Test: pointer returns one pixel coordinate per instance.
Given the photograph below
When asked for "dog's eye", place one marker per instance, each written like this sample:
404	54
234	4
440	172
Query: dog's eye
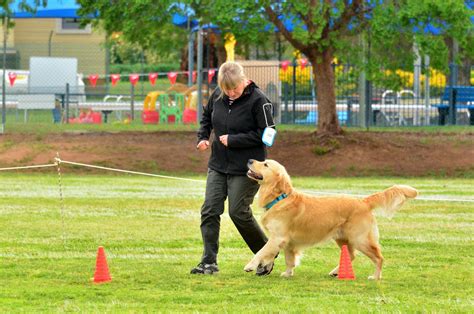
265	164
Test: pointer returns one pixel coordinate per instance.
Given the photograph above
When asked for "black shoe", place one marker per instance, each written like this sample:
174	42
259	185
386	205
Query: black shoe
264	270
205	269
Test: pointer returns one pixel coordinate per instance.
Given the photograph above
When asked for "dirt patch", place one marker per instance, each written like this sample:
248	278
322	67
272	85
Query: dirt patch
304	154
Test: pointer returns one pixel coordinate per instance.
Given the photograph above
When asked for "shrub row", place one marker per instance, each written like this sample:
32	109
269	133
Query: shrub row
143	68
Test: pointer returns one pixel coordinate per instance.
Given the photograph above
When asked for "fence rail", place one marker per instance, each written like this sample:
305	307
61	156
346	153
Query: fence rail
412	101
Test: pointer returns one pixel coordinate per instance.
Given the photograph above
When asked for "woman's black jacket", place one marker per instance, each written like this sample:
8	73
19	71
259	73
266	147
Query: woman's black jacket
244	122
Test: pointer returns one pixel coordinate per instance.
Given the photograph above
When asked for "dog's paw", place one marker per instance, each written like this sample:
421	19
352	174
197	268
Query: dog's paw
250	267
334	272
287	274
372	277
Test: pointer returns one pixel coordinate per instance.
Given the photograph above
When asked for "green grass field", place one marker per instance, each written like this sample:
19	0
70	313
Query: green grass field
150	230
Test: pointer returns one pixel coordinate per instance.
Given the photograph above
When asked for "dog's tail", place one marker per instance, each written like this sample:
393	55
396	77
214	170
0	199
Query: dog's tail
391	199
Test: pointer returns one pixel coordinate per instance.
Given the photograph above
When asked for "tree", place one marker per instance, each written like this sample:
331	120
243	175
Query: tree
325	29
149	23
146	23
321	30
6	13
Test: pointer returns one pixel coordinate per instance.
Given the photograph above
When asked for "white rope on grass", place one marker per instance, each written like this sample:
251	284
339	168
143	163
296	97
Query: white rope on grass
28	167
58	161
127	171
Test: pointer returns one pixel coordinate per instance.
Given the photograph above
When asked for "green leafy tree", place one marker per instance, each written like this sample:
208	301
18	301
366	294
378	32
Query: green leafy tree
146	23
7	7
322	30
325	29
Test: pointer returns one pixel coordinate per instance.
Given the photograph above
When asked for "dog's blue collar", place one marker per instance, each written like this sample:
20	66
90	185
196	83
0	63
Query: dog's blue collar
276	200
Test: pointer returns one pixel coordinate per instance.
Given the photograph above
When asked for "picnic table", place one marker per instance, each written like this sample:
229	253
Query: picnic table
456	98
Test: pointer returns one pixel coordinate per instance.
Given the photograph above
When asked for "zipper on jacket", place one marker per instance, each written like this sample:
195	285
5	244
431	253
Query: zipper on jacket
227	132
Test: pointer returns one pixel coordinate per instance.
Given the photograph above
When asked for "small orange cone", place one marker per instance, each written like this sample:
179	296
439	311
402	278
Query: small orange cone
345	266
101	269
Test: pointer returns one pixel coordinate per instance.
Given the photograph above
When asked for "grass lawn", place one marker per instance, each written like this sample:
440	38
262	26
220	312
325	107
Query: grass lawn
150	230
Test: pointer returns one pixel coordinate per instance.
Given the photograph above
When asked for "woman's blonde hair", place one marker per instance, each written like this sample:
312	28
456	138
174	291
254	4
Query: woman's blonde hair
231	74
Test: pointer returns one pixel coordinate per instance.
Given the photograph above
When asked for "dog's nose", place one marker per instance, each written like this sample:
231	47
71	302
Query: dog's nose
250	161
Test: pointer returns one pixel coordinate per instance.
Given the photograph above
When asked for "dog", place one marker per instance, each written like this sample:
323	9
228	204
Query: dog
295	220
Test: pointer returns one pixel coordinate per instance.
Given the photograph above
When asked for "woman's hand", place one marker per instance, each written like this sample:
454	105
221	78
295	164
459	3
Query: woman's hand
203	145
223	139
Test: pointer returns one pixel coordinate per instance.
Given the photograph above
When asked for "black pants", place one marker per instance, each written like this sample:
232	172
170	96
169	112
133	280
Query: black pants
240	190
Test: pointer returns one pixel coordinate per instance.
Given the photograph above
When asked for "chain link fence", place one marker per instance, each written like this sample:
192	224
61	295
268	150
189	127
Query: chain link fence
83	91
394	99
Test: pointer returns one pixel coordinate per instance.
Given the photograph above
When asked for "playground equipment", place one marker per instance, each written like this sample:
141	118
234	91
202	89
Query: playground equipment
150	101
87	116
172	107
150	117
229	46
190	108
149	114
171	111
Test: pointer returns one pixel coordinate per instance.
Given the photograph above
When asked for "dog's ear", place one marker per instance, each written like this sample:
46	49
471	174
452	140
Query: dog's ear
284	183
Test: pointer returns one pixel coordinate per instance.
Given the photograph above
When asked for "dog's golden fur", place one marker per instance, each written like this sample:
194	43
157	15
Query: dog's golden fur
299	220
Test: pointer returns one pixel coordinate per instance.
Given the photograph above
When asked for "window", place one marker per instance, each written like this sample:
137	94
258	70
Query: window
71	26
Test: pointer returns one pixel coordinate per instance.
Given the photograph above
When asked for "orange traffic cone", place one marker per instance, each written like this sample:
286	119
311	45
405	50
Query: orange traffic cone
101	269
345	266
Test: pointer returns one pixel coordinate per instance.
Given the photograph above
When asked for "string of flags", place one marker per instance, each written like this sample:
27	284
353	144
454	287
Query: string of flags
302	62
134	78
12	78
172	76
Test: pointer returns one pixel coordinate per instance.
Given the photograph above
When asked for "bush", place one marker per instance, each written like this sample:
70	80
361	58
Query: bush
143	68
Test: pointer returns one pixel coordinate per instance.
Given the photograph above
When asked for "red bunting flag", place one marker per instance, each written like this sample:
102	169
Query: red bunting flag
152	77
303	63
172	77
210	75
12	78
134	78
194	75
93	79
284	65
115	78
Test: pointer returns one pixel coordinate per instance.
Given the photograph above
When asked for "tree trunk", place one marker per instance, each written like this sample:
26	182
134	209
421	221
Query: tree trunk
323	73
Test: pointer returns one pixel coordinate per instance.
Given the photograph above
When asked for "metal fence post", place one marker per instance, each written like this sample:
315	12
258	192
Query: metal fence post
452	105
369	115
4	107
363	123
132	101
67	102
63	106
294	91
286	91
199	72
349	112
452	94
427	90
191	58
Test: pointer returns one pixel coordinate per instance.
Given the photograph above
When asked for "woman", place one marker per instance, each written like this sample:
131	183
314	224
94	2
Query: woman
237	114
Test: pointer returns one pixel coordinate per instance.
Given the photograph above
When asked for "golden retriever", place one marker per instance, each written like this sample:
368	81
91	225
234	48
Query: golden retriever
295	220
